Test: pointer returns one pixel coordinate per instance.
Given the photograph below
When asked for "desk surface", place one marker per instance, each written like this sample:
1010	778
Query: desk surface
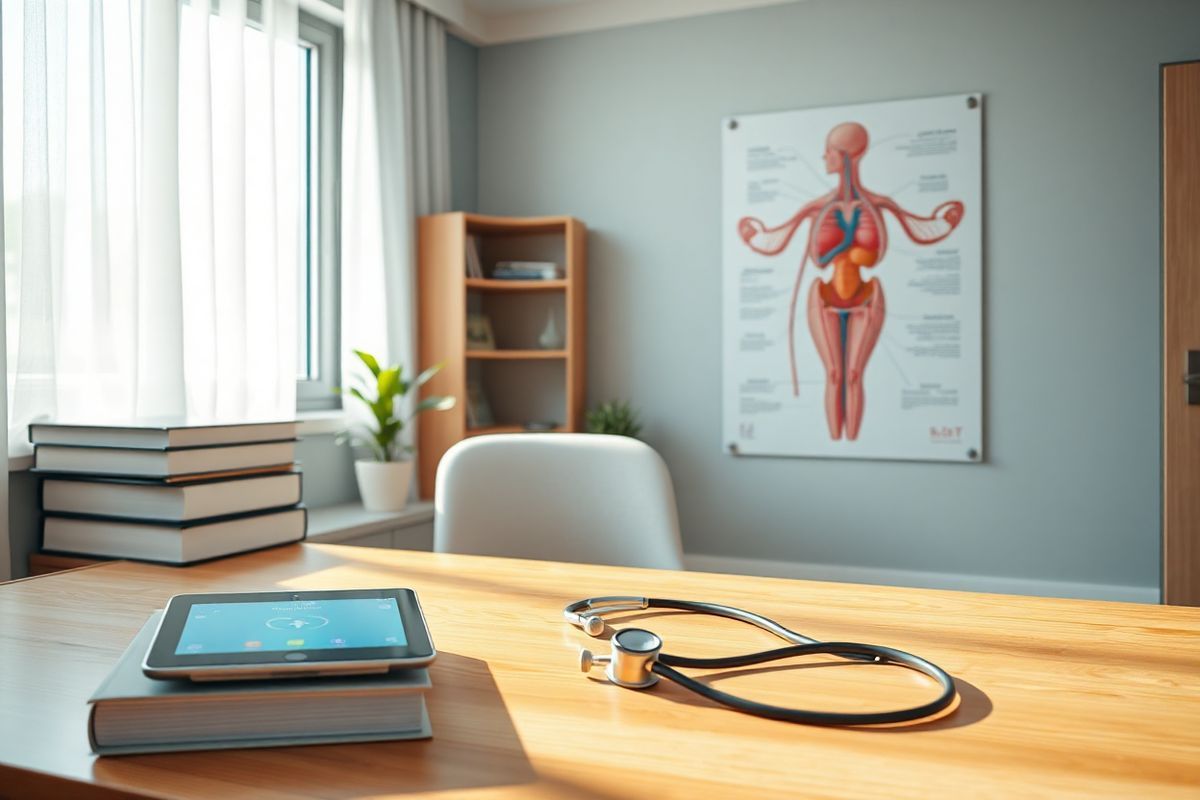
1059	697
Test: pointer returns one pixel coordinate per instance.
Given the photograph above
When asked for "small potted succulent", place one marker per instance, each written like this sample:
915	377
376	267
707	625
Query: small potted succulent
616	418
384	479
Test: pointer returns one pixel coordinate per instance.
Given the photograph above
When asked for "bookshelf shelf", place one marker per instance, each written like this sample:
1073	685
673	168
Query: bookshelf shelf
515	355
518	382
490	429
491	285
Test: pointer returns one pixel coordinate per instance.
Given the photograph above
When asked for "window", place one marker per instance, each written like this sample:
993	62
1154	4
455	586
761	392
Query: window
316	178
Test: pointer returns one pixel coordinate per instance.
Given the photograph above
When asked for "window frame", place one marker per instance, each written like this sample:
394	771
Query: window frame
324	244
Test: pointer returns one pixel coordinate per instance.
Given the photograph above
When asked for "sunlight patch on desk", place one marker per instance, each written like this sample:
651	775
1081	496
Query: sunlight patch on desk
335	577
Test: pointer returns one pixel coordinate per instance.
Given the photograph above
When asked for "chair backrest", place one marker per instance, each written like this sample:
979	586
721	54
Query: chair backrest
558	496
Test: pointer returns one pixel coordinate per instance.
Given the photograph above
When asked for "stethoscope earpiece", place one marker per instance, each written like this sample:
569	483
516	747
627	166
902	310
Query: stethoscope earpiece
637	661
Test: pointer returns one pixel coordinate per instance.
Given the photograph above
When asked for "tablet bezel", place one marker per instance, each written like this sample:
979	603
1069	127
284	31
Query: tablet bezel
161	660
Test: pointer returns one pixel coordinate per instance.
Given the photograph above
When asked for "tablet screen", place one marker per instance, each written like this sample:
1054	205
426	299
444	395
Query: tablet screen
291	625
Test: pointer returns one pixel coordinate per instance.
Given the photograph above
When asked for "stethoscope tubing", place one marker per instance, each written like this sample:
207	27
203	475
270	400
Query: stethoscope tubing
741	615
665	666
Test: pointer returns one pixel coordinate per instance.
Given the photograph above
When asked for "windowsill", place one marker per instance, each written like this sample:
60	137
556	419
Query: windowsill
313	423
350	520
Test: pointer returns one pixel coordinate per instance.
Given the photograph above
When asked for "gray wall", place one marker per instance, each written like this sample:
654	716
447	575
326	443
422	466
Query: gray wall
328	468
621	128
462	83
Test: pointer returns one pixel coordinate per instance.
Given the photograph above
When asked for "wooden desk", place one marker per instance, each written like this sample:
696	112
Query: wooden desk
1060	698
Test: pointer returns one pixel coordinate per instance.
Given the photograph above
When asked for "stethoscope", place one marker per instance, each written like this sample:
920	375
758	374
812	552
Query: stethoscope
637	660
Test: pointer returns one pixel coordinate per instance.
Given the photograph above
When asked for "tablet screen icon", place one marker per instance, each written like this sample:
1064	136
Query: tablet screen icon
296	623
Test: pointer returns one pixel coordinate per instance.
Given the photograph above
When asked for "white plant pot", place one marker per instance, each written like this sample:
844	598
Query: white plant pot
383	485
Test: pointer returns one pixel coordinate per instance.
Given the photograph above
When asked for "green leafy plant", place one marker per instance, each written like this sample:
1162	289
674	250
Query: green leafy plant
383	437
617	418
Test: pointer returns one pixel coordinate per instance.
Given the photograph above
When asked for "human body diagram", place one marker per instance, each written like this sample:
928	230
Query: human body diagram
847	235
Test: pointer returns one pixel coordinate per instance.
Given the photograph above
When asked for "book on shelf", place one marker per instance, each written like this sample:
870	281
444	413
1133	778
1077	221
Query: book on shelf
149	499
171	541
474	265
527	271
131	713
135	462
162	434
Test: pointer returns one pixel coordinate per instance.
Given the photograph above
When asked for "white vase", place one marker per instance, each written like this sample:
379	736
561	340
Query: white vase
550	338
383	485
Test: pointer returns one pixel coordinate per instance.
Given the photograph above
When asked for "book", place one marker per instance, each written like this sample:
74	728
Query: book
161	463
527	271
474	265
226	473
170	542
531	265
131	713
136	498
150	435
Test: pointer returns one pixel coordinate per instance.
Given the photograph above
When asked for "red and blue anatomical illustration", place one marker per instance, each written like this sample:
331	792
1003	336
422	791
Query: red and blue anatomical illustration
848	234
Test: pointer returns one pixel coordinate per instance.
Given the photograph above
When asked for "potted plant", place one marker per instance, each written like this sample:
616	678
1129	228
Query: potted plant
384	479
616	418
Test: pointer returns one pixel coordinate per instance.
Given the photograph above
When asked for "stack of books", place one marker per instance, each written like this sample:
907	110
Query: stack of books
527	271
131	713
171	493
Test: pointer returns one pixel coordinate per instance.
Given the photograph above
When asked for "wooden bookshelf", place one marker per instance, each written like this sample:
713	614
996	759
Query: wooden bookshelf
515	355
504	429
489	285
523	382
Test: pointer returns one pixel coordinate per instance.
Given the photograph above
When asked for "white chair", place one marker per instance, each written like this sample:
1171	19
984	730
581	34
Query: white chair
560	497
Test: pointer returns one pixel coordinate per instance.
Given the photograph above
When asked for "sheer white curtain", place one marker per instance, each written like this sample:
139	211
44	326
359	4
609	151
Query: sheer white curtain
395	167
6	571
152	223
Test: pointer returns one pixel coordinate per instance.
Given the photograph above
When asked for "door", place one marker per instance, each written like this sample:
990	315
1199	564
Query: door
1181	332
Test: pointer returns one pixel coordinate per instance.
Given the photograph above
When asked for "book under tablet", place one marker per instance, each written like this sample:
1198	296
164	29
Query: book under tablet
161	463
131	713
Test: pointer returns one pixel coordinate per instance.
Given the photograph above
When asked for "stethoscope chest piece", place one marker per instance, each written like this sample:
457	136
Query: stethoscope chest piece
634	652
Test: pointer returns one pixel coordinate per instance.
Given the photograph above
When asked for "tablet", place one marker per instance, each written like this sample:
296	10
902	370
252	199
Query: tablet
232	636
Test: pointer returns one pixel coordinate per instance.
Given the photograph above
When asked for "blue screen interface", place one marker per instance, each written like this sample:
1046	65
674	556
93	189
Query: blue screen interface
291	625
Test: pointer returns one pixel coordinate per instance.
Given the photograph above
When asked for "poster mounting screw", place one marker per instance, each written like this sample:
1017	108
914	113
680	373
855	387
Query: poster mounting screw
972	102
973	454
733	123
733	448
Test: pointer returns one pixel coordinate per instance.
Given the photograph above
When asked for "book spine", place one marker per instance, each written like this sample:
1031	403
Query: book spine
182	524
91	726
424	732
303	535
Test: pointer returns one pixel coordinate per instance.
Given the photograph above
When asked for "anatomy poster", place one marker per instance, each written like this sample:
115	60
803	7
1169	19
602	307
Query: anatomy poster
852	273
